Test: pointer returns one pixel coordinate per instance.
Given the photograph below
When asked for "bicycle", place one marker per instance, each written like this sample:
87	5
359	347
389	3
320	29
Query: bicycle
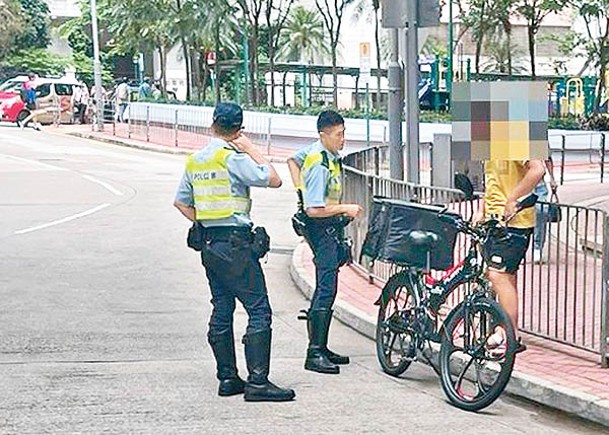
408	319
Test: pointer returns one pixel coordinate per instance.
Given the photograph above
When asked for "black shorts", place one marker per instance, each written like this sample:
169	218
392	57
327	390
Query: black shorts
505	254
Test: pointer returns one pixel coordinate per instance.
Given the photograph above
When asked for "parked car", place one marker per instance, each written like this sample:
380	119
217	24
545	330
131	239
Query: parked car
50	92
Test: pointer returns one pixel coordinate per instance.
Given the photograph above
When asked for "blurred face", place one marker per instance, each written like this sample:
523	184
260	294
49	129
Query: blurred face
333	138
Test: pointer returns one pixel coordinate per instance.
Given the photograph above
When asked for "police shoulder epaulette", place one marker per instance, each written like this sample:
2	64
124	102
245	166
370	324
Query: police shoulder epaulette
325	162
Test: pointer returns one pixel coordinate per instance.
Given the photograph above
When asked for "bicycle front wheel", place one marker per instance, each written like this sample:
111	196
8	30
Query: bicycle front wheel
475	367
395	337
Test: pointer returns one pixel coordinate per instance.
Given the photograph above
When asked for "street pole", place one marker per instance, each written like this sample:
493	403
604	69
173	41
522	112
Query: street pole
97	69
396	106
451	44
412	94
367	114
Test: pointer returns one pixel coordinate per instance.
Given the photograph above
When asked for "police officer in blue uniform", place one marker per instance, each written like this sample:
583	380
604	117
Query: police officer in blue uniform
316	172
214	193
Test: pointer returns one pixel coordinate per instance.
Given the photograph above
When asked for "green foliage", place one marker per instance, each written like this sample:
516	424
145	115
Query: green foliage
43	62
567	123
11	25
35	16
303	39
596	122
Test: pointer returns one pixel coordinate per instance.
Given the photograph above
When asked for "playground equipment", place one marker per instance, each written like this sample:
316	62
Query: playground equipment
573	100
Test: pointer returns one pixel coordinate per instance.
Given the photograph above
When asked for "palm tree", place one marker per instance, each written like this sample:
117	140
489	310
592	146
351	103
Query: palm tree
503	56
303	38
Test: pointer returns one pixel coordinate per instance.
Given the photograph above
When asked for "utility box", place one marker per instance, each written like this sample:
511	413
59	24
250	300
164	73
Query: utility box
443	168
394	14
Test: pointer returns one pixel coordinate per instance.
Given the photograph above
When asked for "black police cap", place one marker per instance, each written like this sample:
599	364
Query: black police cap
228	115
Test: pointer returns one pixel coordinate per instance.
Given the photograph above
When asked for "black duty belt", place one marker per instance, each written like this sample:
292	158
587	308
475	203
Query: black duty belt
225	233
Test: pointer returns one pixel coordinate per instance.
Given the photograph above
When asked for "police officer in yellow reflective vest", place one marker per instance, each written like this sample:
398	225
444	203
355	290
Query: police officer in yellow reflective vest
316	172
215	194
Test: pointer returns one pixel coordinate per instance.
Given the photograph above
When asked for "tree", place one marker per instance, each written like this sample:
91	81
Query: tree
502	10
535	11
276	14
138	26
595	14
11	25
503	57
303	37
332	15
252	11
479	20
36	17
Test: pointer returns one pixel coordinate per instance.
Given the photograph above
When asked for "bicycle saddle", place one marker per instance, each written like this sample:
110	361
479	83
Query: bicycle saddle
423	239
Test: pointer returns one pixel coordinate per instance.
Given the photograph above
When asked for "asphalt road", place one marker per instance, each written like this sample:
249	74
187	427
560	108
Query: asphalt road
104	311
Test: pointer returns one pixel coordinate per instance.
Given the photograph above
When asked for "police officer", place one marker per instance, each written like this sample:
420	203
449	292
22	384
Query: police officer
316	171
215	194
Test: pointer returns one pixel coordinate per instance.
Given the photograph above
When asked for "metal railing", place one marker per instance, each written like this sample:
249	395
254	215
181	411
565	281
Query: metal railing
563	298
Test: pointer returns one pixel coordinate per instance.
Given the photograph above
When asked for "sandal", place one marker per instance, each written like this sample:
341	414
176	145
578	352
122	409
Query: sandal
496	343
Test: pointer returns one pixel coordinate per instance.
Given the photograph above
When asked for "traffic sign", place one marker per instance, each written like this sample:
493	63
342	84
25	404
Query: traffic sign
364	62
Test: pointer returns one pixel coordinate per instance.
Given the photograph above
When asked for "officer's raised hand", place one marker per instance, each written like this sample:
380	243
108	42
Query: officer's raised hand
245	145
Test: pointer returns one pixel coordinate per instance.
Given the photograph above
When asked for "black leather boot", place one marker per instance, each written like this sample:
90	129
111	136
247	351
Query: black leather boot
223	346
332	356
317	358
258	356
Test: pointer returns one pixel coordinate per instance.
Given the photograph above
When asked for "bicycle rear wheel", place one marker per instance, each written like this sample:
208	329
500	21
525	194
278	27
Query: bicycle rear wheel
474	371
395	337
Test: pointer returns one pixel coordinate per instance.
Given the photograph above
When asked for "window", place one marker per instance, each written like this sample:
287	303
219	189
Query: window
63	89
43	90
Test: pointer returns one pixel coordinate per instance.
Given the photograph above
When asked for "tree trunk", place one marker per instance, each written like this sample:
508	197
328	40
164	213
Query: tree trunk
272	70
334	75
216	69
478	53
508	35
205	68
196	73
377	41
255	72
187	66
531	30
163	61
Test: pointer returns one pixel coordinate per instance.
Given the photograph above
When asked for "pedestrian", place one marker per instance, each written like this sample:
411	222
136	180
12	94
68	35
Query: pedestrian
316	172
215	194
145	89
121	96
541	227
505	183
31	102
80	101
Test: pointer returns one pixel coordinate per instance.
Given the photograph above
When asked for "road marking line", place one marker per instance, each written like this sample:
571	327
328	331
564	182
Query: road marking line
64	220
104	184
44	165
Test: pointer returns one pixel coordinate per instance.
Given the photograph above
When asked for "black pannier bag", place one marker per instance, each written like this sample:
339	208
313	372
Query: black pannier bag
391	221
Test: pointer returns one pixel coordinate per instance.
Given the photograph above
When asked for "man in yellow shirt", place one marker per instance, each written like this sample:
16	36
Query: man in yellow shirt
505	183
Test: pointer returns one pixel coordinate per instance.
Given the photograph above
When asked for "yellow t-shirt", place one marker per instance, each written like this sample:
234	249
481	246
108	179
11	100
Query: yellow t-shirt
501	176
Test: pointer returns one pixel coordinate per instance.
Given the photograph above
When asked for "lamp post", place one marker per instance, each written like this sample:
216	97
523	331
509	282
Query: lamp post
97	69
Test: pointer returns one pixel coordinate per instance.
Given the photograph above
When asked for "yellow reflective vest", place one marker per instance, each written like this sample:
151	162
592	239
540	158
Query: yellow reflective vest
333	186
211	186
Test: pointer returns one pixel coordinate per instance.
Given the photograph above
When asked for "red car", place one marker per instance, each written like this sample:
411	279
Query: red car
48	92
